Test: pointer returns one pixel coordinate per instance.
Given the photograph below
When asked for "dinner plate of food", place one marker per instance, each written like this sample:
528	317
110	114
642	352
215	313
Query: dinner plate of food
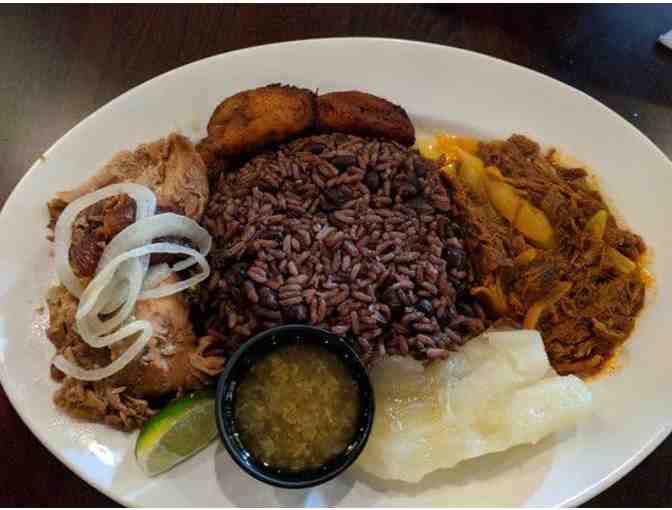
343	272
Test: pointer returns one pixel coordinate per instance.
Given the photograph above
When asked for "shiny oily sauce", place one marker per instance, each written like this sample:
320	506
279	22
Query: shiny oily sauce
297	408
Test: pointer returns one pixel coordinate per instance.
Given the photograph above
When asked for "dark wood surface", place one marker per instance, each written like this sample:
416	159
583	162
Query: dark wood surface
58	64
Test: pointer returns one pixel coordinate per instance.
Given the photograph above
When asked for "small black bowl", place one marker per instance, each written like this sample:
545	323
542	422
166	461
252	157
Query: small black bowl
239	364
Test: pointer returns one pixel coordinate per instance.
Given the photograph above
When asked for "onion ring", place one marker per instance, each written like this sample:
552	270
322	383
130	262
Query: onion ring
123	275
96	374
145	205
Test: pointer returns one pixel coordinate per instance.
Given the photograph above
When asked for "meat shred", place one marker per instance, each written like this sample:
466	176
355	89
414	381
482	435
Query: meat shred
584	327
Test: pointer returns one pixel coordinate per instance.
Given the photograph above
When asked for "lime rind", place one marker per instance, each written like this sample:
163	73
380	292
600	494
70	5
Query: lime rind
170	414
178	431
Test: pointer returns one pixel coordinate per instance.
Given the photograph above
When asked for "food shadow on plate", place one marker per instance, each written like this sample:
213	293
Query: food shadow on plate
243	490
533	459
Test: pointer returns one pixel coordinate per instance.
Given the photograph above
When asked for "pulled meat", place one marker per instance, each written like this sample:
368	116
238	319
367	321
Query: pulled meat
102	402
170	167
175	360
94	227
572	292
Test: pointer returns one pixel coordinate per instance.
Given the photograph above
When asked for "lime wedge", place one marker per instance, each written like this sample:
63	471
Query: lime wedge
178	431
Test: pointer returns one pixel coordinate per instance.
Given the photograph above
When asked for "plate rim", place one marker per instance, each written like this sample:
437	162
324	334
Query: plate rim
579	498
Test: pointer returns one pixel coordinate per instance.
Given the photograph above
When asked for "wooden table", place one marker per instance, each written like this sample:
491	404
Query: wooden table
59	64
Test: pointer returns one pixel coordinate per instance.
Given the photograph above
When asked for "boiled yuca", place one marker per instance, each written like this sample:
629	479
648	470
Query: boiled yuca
498	391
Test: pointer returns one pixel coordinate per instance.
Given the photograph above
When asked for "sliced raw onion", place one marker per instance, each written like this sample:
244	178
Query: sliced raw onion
105	341
132	273
143	231
105	277
94	297
96	374
174	288
123	275
117	297
155	275
145	205
109	299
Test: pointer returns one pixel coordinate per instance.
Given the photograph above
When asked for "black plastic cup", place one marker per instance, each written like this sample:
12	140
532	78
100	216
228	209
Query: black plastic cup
240	363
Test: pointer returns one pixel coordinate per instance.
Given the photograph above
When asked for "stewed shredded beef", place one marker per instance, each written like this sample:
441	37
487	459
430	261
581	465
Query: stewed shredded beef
583	329
351	234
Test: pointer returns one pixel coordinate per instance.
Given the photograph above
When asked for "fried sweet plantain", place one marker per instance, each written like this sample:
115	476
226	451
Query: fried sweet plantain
359	113
254	118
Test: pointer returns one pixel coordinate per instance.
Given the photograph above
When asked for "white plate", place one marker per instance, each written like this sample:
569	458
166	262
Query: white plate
440	87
